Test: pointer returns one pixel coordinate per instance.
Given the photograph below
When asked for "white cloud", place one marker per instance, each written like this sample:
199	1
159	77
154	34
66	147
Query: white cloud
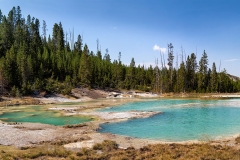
231	60
157	48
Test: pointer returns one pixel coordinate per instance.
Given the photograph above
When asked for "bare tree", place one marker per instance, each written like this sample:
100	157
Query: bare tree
177	70
66	40
2	83
157	76
170	63
97	45
219	77
71	39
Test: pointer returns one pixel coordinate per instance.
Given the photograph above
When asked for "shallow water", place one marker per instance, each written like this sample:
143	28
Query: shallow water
42	114
39	114
182	119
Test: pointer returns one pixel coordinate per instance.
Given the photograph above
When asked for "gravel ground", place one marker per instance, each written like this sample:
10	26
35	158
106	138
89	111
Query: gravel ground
30	134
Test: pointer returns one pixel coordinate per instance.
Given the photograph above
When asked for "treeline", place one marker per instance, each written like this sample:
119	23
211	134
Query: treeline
31	61
193	76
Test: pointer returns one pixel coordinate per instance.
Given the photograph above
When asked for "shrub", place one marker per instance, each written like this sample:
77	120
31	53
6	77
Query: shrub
37	85
106	145
15	92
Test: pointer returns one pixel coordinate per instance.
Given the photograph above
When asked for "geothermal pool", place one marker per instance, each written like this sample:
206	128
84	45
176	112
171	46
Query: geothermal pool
182	119
39	114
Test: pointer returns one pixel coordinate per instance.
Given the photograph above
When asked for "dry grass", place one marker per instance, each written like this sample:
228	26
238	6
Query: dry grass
109	150
75	125
237	140
18	101
53	151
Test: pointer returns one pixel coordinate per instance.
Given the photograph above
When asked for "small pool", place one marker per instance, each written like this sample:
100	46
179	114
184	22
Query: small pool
39	114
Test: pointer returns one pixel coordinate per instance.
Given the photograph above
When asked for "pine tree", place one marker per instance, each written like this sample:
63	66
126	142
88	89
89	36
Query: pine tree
181	79
44	28
2	79
208	80
130	77
84	72
78	45
191	68
18	15
54	37
11	19
214	78
202	74
21	64
60	38
10	68
18	35
7	39
75	63
119	72
107	56
150	76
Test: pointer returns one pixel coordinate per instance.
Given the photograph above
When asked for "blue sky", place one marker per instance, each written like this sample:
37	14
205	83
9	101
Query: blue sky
134	27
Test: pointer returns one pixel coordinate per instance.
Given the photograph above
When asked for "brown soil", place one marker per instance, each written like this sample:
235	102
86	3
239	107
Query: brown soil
18	101
92	93
81	94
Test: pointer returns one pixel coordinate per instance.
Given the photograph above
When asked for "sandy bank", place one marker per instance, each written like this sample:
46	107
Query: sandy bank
226	96
56	99
31	134
25	134
106	116
123	141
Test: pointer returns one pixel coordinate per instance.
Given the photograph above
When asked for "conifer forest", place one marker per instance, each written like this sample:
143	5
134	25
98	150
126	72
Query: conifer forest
32	61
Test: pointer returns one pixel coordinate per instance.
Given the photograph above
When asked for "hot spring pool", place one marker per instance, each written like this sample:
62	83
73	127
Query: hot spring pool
183	119
39	114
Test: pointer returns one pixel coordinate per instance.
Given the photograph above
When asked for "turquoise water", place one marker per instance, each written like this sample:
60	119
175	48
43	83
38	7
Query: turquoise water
181	120
39	114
